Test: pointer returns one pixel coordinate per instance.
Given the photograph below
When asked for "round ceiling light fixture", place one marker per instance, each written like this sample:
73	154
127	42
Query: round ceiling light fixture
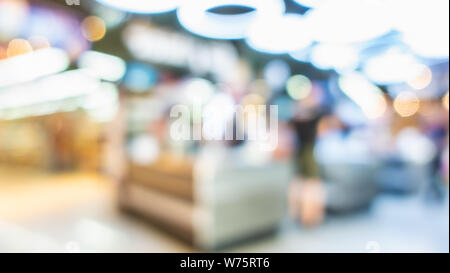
139	6
349	21
311	3
197	16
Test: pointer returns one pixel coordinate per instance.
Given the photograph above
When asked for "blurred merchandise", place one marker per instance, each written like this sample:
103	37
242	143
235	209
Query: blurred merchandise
210	206
222	121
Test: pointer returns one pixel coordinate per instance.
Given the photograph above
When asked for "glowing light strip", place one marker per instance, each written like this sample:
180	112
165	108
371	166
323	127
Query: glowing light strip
195	17
33	65
53	88
101	65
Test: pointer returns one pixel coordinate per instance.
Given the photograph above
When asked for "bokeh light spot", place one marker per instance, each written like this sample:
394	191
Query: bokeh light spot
445	101
93	28
422	80
2	53
39	42
406	104
298	87
18	47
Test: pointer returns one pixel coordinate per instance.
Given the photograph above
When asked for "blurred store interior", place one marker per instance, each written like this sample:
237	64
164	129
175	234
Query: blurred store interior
90	161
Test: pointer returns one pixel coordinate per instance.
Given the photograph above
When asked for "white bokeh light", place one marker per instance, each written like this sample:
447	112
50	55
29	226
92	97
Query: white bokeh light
424	24
279	34
101	65
393	66
365	94
334	56
348	21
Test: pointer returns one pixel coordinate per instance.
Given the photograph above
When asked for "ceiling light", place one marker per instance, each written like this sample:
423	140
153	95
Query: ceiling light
139	6
196	16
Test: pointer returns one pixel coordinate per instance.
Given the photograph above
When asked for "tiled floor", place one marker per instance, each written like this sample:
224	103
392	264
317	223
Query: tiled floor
77	212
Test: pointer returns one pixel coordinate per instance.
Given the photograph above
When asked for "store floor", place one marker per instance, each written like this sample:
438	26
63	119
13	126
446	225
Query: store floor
76	212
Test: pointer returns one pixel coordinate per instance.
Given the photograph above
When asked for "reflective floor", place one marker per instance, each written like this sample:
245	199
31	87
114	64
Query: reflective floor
76	212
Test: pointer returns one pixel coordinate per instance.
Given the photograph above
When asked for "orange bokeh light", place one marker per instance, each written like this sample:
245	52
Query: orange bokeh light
93	28
406	104
18	47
